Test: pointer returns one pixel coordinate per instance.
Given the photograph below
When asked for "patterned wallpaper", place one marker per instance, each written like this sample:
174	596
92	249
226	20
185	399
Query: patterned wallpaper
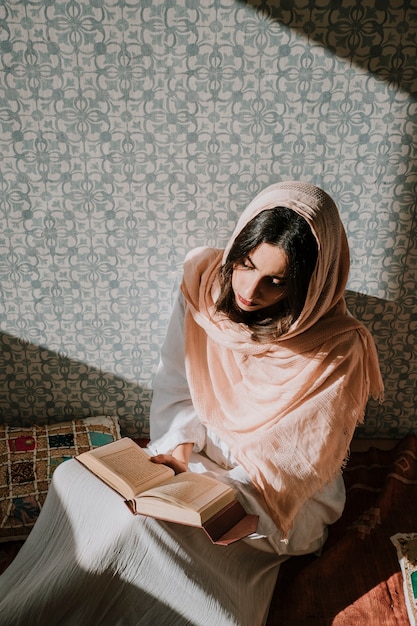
133	130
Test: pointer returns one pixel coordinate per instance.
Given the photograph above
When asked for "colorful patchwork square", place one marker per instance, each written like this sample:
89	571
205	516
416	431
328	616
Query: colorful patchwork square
22	444
22	472
61	441
25	510
99	439
57	461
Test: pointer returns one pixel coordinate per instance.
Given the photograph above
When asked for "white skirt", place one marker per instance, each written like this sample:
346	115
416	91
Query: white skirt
90	561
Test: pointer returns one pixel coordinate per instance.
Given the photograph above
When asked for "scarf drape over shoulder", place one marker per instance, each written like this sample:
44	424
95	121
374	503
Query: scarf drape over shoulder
288	409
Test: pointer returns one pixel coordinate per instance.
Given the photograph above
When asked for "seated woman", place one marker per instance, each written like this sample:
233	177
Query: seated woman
264	376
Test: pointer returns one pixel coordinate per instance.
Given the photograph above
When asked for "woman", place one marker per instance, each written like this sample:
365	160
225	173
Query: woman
263	378
277	373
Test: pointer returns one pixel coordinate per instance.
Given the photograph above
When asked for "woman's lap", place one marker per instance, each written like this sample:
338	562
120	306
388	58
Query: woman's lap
89	560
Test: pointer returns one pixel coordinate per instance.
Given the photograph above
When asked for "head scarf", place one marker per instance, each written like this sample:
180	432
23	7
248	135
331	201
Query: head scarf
287	409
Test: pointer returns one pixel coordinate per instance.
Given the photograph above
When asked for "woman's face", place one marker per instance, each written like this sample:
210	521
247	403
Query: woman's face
260	280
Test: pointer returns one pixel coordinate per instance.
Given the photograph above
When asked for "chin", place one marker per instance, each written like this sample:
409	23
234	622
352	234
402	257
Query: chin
249	309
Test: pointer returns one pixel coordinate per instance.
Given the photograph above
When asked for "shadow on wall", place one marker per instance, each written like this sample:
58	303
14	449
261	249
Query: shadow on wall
383	318
41	386
365	33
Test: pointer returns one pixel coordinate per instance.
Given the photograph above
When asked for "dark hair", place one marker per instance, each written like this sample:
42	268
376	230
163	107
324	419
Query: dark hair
289	231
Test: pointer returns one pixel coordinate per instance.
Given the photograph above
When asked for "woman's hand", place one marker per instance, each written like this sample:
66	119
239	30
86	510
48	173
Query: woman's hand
178	460
166	459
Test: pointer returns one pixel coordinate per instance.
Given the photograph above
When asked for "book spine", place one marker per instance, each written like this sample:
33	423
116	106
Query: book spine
224	520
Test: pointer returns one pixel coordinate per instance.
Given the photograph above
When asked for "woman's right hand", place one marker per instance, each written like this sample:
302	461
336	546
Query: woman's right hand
166	459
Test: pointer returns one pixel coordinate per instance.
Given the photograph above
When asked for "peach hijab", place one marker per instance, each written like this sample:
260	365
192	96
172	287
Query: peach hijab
288	409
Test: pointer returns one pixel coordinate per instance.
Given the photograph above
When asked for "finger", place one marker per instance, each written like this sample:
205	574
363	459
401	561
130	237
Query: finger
158	458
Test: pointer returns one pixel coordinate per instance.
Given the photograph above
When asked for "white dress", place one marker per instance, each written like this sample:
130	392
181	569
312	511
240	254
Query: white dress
90	562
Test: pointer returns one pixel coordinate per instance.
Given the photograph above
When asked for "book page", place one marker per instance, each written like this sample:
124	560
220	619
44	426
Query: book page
136	469
125	467
189	490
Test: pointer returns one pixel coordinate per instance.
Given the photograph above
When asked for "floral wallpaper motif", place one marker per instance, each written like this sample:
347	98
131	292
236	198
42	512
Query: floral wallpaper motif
134	130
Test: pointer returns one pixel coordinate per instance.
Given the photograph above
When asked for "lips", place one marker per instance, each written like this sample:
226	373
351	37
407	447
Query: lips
245	302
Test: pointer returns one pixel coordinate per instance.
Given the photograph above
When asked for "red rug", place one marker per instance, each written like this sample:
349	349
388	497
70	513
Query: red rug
357	580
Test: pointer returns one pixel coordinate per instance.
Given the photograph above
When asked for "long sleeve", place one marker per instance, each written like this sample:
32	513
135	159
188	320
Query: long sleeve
173	419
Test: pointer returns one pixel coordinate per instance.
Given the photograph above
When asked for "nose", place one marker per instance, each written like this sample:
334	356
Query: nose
252	289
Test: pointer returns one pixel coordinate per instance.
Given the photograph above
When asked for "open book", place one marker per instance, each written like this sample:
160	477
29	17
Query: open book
153	489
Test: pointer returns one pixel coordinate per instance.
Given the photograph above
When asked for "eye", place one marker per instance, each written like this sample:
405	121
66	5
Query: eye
278	283
246	264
